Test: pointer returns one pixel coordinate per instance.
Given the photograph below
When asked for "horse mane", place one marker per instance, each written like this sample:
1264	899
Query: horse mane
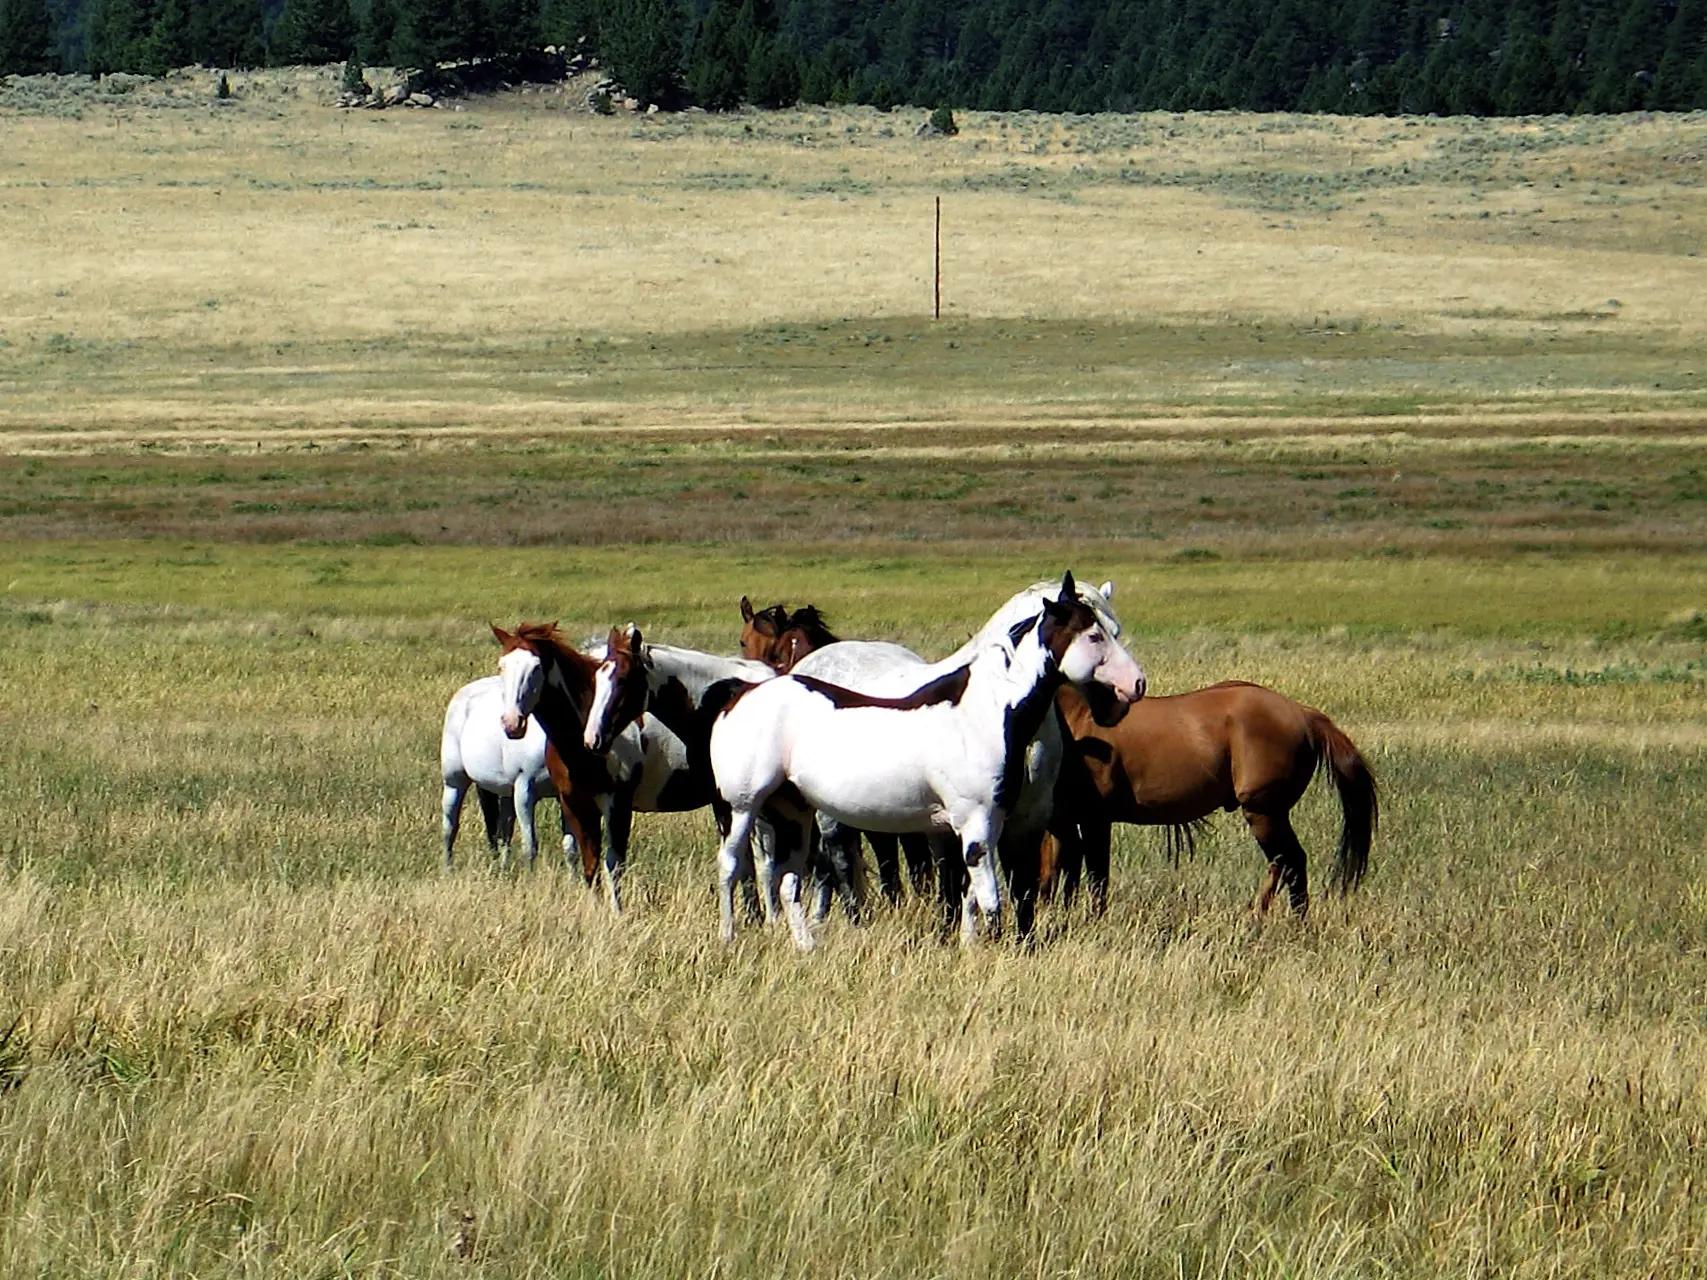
547	640
810	623
776	616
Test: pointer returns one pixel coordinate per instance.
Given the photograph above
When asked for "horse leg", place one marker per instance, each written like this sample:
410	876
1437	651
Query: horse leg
921	864
619	817
823	878
1096	836
580	815
793	836
450	812
1286	861
840	849
979	840
761	866
523	799
731	855
492	814
1021	855
583	828
950	880
886	849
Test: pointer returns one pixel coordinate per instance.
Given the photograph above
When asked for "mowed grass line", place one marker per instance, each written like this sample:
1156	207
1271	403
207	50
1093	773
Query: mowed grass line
932	598
260	1032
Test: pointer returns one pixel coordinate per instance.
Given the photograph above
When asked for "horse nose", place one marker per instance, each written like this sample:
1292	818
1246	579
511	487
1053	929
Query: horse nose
514	725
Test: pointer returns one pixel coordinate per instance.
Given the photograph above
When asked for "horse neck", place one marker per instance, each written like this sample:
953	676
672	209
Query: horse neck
1003	683
680	682
1011	702
1076	711
567	694
696	671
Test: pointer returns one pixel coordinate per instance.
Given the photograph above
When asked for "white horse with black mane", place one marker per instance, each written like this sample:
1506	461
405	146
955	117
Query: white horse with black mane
885	669
941	748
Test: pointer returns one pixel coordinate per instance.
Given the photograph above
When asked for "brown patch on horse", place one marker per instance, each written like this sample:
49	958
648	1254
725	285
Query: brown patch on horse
944	689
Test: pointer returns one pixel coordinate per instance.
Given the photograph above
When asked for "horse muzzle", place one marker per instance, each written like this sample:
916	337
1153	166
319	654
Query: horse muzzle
514	726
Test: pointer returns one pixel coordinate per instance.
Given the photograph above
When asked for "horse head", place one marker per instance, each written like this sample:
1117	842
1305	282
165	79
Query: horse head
1086	652
521	675
762	633
619	688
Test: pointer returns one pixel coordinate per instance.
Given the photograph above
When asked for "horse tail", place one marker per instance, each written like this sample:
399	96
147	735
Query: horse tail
1360	810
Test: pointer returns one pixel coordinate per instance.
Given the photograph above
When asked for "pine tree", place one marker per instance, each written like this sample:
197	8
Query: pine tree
717	71
26	38
773	74
568	23
168	44
513	29
641	42
234	34
430	32
118	34
312	32
378	28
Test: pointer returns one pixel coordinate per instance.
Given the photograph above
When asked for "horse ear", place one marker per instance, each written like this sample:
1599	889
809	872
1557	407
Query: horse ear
746	609
1107	589
633	638
1069	588
503	637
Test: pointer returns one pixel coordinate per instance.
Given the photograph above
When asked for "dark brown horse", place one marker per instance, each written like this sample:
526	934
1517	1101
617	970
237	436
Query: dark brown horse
593	788
779	639
1173	761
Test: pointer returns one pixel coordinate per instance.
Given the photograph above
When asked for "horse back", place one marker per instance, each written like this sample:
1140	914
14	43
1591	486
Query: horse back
1179	757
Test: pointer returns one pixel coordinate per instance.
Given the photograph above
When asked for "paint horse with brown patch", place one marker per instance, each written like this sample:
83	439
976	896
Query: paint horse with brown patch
1173	761
595	788
948	754
780	639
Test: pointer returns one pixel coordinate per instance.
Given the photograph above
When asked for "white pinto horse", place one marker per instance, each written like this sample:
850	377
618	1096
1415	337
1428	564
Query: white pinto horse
882	669
677	704
492	743
948	753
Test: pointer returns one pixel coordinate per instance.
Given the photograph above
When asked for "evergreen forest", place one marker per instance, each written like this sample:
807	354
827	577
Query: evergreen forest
1451	57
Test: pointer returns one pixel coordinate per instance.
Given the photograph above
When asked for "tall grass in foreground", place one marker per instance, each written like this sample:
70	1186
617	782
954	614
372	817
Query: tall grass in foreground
258	1032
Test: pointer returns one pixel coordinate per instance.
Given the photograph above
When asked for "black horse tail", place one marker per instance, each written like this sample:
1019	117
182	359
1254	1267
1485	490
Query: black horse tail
1360	809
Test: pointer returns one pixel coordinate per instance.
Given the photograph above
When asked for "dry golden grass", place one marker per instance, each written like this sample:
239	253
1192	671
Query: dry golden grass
260	1033
275	219
254	1031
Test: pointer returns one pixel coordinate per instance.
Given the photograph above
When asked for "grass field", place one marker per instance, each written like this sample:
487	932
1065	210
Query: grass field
1402	417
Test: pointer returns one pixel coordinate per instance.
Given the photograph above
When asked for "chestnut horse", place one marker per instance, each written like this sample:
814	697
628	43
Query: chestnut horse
779	639
1173	761
595	788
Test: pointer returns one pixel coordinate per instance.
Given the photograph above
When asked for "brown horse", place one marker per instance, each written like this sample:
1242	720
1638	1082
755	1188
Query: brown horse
589	784
1173	761
779	639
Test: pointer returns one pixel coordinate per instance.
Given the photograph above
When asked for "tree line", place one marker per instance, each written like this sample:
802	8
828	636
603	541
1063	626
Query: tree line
1476	57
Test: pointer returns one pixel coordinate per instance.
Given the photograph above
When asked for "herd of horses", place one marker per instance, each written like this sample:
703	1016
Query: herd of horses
996	774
